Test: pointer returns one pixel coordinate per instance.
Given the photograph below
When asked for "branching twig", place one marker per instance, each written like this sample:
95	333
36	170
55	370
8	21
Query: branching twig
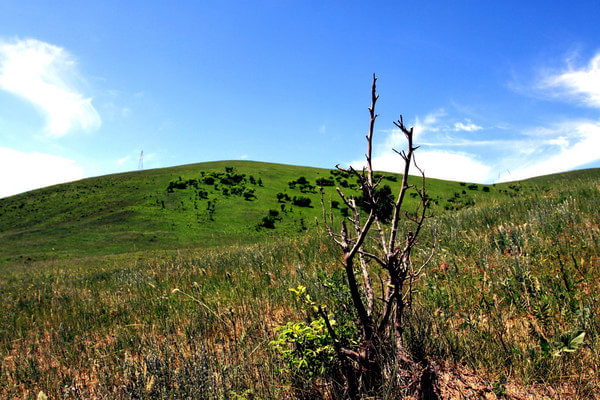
383	247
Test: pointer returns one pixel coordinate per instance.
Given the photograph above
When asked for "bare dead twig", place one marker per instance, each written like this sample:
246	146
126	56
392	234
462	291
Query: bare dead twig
384	248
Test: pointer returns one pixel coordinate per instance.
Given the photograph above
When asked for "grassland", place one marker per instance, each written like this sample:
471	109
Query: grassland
108	294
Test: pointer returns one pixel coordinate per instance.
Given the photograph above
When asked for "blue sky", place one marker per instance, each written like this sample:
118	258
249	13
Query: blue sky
496	90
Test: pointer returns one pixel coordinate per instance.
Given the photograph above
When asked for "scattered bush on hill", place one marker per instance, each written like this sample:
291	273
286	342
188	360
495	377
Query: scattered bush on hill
282	197
325	182
301	201
268	221
233	184
303	185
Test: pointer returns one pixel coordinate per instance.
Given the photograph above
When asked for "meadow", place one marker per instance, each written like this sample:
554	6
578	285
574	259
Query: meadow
94	308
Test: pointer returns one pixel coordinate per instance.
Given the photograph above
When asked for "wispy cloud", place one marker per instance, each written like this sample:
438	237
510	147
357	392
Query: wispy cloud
44	75
582	83
568	144
530	152
559	148
435	164
27	171
436	131
467	126
123	160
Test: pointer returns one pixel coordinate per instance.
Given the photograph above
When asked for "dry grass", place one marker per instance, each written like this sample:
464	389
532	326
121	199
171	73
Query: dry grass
506	276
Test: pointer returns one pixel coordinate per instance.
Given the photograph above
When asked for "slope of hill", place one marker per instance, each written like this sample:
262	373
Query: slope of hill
201	205
508	307
190	206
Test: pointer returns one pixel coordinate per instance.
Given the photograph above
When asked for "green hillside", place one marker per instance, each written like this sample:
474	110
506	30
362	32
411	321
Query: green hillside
191	206
99	303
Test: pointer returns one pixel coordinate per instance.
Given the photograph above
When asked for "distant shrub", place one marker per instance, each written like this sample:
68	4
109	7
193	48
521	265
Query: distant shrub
281	197
303	184
302	181
473	187
268	221
325	182
211	208
301	201
177	185
237	190
486	189
249	194
226	180
238	178
339	173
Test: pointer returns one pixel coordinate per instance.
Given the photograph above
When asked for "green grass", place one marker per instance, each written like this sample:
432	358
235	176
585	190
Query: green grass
515	282
515	279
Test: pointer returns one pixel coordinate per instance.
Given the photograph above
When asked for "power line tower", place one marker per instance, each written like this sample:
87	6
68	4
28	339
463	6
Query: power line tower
141	162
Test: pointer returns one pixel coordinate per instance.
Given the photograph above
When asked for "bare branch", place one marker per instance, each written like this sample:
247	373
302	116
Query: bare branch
367	287
344	199
374	257
383	323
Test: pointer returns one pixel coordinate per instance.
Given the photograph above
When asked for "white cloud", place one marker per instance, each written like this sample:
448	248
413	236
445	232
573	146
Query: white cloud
469	126
435	164
123	160
395	138
527	153
27	171
582	83
429	124
453	166
43	74
572	144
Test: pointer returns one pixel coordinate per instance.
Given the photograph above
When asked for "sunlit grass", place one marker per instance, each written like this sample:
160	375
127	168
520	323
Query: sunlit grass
512	285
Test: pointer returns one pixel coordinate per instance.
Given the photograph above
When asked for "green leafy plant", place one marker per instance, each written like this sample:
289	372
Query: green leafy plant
569	343
308	347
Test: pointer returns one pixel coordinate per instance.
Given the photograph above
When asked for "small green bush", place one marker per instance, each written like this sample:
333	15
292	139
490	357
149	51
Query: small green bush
301	201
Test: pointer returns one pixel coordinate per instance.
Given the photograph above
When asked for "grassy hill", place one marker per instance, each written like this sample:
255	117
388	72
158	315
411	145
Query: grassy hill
191	206
99	303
